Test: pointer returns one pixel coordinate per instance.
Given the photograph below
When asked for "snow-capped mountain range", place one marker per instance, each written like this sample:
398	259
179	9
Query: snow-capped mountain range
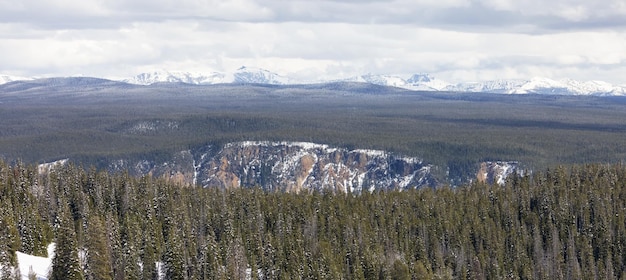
419	82
243	75
416	82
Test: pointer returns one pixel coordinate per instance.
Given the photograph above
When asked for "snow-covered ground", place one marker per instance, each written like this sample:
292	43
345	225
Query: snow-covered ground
40	266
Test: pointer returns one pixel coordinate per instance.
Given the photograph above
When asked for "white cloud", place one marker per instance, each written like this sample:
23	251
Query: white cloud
233	10
455	39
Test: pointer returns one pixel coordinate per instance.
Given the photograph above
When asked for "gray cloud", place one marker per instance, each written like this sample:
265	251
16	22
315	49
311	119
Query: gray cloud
478	16
493	38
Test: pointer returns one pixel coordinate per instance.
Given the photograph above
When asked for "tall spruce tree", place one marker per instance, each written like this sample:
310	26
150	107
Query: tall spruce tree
99	265
173	262
9	242
65	264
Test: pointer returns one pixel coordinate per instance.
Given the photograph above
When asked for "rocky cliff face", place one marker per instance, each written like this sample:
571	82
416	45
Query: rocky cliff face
288	166
295	167
496	171
178	169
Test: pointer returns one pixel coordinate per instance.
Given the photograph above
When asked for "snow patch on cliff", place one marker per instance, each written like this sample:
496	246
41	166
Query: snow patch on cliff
47	167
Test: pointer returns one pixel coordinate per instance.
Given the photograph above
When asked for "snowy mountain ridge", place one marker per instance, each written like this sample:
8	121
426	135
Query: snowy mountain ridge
423	82
417	82
537	85
567	86
8	78
243	75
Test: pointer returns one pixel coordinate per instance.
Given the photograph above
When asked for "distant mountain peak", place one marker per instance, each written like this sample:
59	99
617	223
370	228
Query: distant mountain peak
164	76
420	78
243	74
540	85
248	75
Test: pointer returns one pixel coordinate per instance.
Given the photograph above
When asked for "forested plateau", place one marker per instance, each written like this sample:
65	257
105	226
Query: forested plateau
100	123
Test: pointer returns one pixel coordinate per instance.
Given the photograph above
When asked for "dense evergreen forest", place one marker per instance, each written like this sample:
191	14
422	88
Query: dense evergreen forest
100	123
563	223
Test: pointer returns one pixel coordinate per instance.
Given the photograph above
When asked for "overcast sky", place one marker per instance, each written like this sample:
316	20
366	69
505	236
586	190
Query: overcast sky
454	40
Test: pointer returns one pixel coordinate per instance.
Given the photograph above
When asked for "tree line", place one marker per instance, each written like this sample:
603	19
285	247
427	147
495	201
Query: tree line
563	223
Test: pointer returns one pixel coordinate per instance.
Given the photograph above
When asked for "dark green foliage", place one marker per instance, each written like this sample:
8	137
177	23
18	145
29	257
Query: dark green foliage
8	243
9	237
173	262
65	264
564	223
99	265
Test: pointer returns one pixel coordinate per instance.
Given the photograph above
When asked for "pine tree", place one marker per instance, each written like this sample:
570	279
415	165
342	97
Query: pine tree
113	236
9	241
400	271
65	264
173	263
5	264
208	257
99	265
148	259
130	233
